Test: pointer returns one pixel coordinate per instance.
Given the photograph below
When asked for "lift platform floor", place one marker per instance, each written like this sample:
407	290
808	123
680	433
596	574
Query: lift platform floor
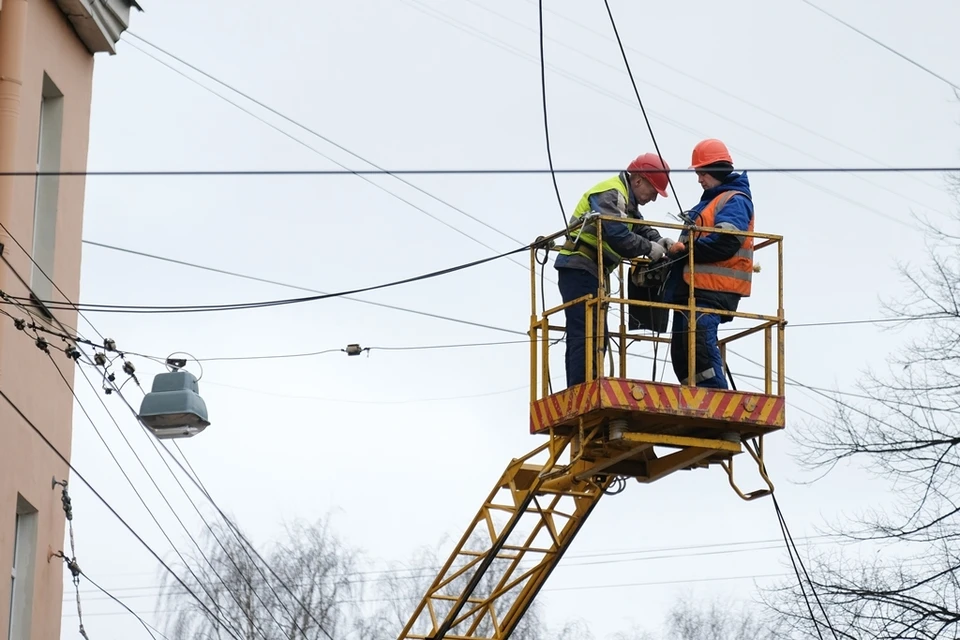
658	408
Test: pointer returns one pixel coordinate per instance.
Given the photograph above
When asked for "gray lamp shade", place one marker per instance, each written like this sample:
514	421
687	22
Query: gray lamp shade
174	408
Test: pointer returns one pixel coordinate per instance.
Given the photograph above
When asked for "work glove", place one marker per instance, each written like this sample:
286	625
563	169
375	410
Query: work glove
656	251
666	243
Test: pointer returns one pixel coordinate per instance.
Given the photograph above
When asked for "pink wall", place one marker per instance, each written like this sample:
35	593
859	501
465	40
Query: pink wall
26	374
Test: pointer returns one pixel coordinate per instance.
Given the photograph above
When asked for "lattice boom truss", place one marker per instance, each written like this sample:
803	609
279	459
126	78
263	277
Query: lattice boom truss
508	552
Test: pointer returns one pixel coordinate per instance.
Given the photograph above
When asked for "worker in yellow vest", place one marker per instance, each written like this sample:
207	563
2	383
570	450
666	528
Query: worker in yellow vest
577	265
723	263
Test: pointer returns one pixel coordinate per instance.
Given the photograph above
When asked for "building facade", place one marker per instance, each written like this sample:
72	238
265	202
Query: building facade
47	50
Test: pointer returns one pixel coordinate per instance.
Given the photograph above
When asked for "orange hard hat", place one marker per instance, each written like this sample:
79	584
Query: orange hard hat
658	168
709	151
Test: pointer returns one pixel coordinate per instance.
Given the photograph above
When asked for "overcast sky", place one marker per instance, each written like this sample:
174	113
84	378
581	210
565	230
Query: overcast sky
375	440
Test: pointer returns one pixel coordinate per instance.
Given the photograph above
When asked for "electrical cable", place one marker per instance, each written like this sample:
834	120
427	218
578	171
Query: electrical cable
792	325
719	89
297	287
150	629
231	525
702	105
643	110
362	176
108	308
44	273
614	96
232	631
616	556
203	555
213	533
119	392
790	382
788	540
887	47
546	122
803	591
44	347
71	561
109	507
440	172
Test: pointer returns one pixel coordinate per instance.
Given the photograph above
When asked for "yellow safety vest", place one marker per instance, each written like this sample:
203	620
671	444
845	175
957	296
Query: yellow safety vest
583	240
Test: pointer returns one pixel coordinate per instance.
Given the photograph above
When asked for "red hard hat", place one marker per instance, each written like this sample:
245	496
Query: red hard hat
709	151
659	168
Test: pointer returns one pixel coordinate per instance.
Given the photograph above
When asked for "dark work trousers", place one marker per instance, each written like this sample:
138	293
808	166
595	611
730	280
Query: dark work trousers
575	283
708	363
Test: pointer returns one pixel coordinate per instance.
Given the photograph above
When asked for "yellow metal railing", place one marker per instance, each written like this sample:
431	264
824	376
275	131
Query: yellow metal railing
543	330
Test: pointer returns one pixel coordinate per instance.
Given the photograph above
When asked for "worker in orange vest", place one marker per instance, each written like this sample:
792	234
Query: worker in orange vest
723	263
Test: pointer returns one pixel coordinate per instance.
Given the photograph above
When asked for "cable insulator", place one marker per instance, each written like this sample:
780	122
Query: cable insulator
42	345
20	324
100	359
353	350
128	367
109	344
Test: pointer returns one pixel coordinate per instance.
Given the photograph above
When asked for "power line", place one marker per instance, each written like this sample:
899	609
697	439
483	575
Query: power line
195	479
791	550
44	347
885	46
445	172
701	104
150	629
546	119
682	552
719	89
235	274
613	96
643	110
109	507
213	533
424	347
49	279
136	416
820	390
111	308
200	582
362	175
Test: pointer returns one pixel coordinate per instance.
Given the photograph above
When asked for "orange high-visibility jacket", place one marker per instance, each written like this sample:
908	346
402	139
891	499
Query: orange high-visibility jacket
733	275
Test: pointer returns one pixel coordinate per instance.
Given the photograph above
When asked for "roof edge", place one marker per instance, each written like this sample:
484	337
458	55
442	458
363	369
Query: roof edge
99	23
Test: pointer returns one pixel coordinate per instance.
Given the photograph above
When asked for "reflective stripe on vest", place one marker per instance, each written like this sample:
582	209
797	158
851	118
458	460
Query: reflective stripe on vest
583	241
733	275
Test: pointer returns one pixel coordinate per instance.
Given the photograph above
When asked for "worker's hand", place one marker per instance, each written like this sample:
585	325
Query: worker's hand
666	243
677	247
656	252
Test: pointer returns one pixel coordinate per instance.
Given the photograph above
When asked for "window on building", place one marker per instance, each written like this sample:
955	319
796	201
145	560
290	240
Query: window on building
47	190
22	571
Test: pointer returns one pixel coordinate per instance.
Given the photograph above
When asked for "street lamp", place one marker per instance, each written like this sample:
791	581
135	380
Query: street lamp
174	408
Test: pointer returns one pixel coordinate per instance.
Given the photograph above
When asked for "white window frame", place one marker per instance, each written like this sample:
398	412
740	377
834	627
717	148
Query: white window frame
22	571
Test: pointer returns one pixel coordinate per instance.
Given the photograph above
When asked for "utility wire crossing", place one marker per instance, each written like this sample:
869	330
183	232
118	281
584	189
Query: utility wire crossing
448	172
